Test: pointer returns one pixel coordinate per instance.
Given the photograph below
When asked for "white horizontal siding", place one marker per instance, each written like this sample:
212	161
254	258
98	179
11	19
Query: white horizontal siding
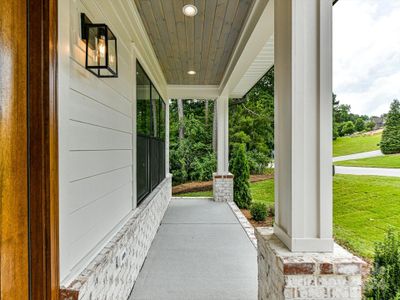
89	190
98	218
96	138
90	110
84	164
83	136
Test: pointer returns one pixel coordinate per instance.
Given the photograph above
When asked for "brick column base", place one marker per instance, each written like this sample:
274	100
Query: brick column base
286	275
223	187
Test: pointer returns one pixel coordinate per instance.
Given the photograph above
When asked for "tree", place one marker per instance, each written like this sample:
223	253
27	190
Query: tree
370	125
214	128
390	142
191	156
241	172
348	128
335	131
180	119
360	125
206	111
251	122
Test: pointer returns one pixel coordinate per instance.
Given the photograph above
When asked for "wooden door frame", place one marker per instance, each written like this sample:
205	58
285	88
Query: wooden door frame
14	260
43	149
29	262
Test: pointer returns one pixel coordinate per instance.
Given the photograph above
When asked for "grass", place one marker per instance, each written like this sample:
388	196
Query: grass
356	144
262	191
364	207
387	161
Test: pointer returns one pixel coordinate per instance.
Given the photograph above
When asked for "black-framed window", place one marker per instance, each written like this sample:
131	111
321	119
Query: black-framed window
150	135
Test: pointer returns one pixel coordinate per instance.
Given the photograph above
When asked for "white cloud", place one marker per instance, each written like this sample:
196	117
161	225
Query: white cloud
366	54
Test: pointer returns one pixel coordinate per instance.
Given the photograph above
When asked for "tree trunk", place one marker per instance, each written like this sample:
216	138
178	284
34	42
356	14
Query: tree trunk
206	113
180	117
214	136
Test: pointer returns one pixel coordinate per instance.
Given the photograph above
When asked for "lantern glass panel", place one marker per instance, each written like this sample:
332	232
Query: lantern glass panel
112	51
101	51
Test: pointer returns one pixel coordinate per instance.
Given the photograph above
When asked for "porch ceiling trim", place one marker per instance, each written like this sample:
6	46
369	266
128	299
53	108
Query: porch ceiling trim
193	91
248	50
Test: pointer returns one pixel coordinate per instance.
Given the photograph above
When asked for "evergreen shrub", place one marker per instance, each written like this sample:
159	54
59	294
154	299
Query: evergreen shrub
384	283
241	172
390	143
258	211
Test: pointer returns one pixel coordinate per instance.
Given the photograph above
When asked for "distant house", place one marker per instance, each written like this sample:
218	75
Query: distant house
379	122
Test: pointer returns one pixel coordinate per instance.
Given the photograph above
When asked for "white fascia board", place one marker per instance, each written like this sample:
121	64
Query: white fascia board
193	91
145	52
262	31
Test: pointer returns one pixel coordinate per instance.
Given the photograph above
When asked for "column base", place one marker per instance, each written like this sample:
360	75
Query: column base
283	274
223	187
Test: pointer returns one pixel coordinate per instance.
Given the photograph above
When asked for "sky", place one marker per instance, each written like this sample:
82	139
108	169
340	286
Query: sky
366	54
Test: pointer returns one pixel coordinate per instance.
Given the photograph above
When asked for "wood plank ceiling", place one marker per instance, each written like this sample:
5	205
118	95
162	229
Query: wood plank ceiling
203	43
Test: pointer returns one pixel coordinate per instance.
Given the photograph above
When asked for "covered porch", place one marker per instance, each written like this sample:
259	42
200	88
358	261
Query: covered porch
215	50
99	184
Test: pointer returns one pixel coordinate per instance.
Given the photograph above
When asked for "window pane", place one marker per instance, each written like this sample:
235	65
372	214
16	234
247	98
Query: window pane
162	161
143	101
142	177
154	162
150	136
154	112
162	120
143	123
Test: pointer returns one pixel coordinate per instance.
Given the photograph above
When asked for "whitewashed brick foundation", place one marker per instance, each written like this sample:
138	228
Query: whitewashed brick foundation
223	187
112	274
286	275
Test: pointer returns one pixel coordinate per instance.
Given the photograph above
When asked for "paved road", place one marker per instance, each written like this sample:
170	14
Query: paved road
367	171
358	155
200	252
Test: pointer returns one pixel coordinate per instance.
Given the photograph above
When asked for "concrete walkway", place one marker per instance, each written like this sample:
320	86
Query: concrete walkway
200	252
358	155
367	171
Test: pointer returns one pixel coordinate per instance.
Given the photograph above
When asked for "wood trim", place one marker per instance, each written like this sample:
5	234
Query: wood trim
14	279
43	144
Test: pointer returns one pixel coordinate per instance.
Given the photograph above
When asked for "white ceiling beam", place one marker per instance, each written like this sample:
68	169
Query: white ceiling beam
192	91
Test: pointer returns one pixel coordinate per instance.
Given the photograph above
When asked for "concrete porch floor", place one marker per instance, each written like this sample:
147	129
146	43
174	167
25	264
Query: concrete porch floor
200	252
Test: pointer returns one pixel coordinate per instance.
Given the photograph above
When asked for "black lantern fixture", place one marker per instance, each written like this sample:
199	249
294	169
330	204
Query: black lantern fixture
101	48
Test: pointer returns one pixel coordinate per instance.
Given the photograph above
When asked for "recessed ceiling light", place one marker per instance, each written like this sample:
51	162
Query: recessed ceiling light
191	72
189	10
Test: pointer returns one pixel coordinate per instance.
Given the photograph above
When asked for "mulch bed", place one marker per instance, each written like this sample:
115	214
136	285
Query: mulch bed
269	221
200	186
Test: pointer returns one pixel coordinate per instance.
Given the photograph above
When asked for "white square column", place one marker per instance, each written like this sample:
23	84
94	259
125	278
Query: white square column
167	138
303	124
222	135
223	180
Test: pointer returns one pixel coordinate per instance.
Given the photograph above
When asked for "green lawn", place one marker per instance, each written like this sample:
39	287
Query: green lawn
262	191
357	144
364	207
387	161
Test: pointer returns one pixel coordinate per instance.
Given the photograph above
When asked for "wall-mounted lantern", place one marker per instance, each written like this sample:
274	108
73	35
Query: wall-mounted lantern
101	48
